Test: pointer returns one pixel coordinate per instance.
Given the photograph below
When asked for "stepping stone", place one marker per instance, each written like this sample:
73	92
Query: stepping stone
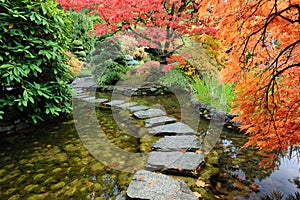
126	105
159	121
174	143
103	100
175	161
79	90
80	96
151	186
153	112
177	128
115	102
88	99
138	108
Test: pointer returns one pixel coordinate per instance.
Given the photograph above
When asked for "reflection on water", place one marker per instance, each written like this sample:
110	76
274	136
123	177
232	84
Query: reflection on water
285	177
50	162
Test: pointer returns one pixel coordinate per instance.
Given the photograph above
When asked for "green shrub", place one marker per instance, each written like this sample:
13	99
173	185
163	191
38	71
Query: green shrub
107	62
176	78
79	33
33	74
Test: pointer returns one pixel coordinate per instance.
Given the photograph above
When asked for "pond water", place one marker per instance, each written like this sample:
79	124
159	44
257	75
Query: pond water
56	160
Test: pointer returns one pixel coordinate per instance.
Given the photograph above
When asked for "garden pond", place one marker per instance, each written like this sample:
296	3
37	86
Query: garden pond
53	161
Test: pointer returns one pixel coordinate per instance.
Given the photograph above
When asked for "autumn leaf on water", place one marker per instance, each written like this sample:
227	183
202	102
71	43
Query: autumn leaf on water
197	194
238	185
200	182
89	184
254	188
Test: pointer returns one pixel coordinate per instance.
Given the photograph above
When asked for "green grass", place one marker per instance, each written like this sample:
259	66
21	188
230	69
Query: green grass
210	90
84	73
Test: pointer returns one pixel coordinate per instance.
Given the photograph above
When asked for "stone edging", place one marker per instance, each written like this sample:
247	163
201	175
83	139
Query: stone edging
210	112
12	127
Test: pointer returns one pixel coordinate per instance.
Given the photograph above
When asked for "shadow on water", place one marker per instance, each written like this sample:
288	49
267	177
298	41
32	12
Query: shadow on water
50	161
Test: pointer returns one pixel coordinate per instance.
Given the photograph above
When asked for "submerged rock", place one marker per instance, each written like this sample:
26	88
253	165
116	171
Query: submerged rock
149	185
58	185
30	188
61	157
70	192
15	197
38	177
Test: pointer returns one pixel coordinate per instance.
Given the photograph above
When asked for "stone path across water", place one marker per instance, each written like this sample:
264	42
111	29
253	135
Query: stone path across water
172	154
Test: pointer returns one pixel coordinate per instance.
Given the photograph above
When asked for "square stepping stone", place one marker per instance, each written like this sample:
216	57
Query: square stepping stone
115	102
177	128
156	121
175	143
153	112
138	108
78	91
151	186
175	162
126	105
80	96
88	98
103	100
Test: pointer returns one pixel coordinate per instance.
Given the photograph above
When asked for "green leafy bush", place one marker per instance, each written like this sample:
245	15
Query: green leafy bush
82	41
176	78
108	63
33	74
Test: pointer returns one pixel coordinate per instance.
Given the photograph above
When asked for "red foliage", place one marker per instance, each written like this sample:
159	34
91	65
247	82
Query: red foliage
167	68
116	15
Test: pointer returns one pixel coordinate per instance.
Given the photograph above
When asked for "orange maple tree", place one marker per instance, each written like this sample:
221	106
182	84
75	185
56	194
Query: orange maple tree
261	40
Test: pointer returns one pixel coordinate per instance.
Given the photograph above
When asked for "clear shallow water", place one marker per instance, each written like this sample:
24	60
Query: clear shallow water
51	161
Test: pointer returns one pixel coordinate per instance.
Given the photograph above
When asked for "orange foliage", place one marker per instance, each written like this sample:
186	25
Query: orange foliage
261	40
75	63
